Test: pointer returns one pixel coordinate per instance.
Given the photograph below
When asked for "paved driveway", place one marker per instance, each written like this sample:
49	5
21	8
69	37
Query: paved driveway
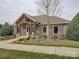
63	51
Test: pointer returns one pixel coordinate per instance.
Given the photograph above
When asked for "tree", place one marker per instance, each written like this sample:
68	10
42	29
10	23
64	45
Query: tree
6	30
73	29
48	8
0	26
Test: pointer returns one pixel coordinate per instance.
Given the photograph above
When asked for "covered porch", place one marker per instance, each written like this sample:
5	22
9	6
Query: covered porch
25	26
27	29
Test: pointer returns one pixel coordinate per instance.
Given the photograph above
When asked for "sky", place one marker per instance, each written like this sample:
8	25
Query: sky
10	10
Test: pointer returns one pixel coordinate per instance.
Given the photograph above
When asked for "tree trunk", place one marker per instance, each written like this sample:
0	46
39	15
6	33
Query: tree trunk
48	31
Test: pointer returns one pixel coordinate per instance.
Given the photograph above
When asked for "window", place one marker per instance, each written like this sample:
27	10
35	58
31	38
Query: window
44	29
55	29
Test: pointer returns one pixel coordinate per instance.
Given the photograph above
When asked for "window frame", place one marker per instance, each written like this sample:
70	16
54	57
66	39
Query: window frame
53	30
43	29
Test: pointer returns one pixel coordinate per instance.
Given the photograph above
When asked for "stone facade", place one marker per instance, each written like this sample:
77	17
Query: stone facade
27	26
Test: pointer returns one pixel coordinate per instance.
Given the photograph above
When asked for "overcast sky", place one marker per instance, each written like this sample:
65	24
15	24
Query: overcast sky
10	10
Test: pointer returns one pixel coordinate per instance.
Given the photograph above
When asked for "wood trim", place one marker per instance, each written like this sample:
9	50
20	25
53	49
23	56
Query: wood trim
26	16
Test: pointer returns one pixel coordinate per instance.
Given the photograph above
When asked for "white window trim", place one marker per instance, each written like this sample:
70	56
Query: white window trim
53	29
42	30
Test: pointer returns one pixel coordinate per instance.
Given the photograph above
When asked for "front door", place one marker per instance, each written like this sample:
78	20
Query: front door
27	31
23	30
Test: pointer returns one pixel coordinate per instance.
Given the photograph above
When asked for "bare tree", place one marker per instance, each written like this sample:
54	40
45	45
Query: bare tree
49	8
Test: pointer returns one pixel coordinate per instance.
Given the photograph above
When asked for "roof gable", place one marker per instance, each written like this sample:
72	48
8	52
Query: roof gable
24	15
20	18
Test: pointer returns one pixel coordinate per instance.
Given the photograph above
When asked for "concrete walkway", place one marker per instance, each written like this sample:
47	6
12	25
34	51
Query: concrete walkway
62	51
12	40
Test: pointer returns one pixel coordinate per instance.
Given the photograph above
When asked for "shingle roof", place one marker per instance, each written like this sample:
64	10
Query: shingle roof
43	19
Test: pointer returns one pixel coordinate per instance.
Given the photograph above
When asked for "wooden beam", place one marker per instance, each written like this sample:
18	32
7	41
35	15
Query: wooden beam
30	28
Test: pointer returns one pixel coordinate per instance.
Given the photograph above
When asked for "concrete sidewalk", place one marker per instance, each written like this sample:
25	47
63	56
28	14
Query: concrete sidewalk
62	51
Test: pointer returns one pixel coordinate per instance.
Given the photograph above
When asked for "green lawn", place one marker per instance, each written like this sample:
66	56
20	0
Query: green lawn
63	43
10	54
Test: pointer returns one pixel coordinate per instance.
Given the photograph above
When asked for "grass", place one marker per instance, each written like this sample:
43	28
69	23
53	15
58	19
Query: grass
6	38
62	43
10	54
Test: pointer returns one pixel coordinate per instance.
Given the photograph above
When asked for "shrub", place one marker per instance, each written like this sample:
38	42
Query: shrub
6	30
73	29
1	26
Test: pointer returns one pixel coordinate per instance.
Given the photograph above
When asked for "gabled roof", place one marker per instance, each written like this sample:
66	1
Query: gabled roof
52	19
26	15
43	19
